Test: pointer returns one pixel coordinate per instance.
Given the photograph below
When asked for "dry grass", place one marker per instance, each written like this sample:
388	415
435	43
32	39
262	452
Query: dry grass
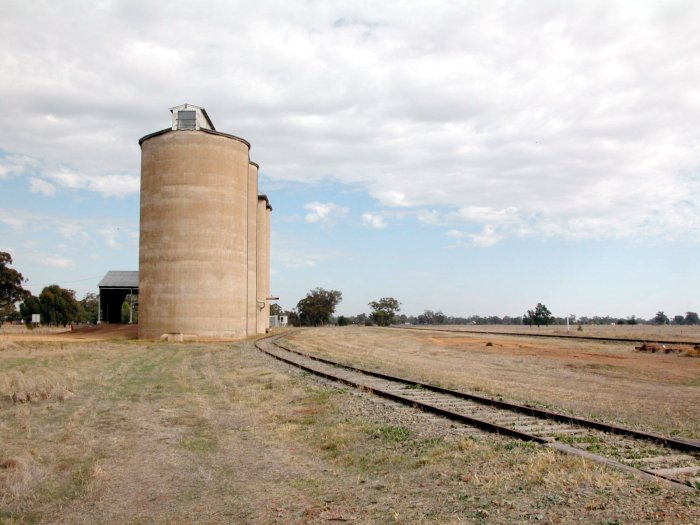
638	331
611	381
194	433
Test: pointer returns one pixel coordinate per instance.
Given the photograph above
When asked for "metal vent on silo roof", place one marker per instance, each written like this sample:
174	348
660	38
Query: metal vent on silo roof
186	119
188	116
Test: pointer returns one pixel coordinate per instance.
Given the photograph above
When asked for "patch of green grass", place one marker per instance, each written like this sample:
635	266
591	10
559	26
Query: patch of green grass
568	439
149	374
518	444
17	362
25	518
414	387
390	433
201	442
549	500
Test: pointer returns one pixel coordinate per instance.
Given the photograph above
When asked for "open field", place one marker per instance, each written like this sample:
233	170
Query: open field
642	332
45	334
138	432
655	392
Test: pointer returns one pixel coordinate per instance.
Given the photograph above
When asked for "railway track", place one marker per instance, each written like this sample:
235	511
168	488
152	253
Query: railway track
670	460
555	336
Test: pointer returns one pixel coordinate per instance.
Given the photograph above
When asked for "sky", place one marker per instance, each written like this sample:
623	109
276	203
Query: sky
470	157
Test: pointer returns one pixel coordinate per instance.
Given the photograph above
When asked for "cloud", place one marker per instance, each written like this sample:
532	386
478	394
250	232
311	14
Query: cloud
75	231
563	120
107	185
54	261
374	220
324	212
488	237
41	186
13	165
294	253
431	217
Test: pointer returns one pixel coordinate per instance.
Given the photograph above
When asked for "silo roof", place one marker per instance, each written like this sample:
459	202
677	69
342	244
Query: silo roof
262	197
203	130
120	279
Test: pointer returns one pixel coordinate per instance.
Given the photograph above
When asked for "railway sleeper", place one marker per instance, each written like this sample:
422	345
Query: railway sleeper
665	460
571	431
678	471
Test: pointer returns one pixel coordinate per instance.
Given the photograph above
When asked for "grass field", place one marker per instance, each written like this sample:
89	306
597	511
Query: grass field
138	432
638	331
611	381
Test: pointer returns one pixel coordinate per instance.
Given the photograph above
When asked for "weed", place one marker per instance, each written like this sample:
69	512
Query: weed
391	434
200	442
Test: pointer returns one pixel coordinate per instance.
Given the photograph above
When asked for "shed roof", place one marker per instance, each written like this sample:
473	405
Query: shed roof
120	279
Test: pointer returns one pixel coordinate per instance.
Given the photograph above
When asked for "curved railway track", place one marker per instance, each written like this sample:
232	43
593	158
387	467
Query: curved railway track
671	460
556	336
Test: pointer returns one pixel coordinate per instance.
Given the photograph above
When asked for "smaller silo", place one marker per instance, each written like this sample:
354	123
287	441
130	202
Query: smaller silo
252	232
263	263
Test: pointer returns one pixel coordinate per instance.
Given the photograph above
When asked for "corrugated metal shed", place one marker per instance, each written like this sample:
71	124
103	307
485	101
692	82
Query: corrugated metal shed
117	279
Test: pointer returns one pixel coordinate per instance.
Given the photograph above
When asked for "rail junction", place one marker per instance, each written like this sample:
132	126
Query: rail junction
666	459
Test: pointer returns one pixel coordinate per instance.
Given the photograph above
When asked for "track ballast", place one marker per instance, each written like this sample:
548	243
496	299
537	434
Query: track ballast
675	461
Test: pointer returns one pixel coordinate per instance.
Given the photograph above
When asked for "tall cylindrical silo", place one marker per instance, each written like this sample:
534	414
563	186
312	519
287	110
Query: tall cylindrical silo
263	264
252	207
193	254
268	289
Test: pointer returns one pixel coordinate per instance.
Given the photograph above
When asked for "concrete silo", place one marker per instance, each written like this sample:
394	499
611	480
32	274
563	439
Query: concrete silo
263	263
252	232
194	254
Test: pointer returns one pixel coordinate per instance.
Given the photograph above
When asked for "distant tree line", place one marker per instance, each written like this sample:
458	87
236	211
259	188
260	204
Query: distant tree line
318	308
55	305
59	306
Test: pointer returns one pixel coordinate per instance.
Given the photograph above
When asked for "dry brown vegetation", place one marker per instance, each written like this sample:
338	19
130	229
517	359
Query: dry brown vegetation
219	433
638	331
612	381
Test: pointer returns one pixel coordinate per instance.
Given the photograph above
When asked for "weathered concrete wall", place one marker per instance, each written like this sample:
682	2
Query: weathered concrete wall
263	270
193	255
252	234
268	290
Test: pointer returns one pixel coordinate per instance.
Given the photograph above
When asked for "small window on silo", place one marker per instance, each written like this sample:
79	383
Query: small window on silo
186	119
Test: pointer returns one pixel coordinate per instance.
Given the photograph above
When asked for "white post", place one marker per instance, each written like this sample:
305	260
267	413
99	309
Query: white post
567	323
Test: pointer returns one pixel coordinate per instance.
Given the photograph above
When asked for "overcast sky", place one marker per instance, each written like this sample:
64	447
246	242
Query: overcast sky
474	157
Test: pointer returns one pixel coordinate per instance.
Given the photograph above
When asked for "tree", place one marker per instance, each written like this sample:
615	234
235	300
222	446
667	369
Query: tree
318	306
427	317
292	317
360	319
29	306
678	319
660	318
11	290
384	310
343	321
276	309
89	306
539	316
692	318
58	306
